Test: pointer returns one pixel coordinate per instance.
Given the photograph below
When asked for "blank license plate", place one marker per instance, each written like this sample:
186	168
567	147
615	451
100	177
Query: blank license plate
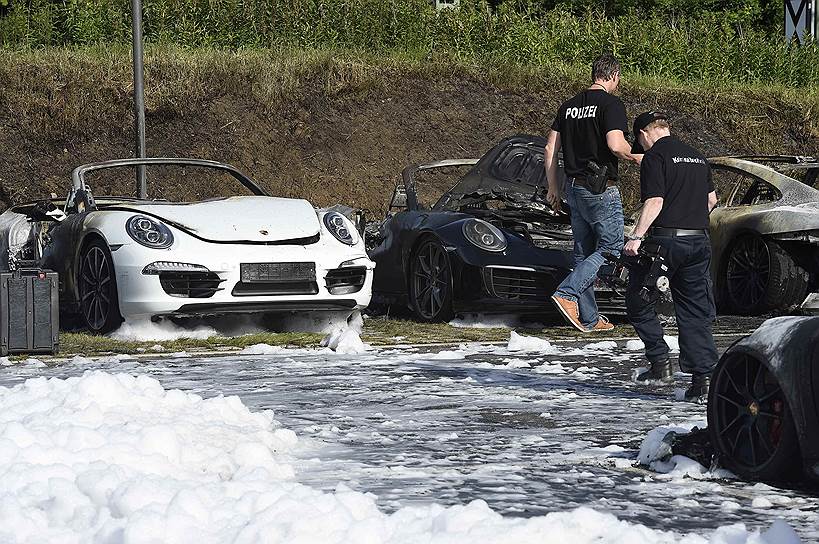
277	272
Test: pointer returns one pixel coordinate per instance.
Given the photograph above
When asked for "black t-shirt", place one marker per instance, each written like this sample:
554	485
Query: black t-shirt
680	175
583	123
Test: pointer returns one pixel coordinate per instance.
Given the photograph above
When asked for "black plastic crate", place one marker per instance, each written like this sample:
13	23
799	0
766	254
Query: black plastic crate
29	312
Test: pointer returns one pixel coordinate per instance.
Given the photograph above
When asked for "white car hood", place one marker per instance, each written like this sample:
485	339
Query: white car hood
241	218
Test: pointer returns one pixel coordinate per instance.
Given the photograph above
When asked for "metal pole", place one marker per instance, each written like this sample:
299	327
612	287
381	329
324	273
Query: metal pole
139	95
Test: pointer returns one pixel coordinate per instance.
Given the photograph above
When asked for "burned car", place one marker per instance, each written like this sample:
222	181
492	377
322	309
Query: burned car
123	257
763	404
765	234
489	243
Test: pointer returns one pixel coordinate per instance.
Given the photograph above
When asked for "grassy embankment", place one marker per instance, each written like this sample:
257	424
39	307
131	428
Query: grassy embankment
336	126
330	99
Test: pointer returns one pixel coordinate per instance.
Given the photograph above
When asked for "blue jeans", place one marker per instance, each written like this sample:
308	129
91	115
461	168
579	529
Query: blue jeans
597	228
689	263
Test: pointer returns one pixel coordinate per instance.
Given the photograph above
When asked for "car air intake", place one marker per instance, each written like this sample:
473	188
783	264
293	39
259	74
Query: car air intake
271	279
190	284
513	284
343	281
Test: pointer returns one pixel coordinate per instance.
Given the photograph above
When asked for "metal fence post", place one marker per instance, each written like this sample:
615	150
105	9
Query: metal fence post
139	95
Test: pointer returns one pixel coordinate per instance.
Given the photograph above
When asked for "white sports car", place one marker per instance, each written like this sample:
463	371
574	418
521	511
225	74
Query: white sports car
121	257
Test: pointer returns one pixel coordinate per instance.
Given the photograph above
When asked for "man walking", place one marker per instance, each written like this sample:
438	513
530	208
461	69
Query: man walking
590	128
678	194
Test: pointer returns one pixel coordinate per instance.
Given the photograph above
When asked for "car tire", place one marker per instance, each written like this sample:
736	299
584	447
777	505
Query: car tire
97	289
430	282
760	277
749	421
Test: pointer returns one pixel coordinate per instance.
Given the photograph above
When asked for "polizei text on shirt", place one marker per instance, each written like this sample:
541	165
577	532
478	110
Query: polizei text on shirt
581	113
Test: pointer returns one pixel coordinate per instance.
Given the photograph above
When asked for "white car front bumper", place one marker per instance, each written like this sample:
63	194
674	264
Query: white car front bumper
144	295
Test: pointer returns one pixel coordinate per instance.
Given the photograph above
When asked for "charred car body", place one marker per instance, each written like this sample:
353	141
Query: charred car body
765	238
121	257
488	244
763	404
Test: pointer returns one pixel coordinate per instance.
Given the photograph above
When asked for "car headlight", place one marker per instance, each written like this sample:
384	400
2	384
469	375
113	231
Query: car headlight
484	235
341	228
149	232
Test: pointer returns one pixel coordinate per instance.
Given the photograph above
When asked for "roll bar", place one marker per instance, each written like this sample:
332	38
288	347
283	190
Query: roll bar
78	175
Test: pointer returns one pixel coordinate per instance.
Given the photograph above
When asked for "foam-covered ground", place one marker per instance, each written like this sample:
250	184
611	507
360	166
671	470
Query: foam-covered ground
535	432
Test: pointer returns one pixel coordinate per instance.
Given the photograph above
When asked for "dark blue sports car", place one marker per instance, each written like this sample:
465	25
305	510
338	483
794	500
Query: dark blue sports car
486	243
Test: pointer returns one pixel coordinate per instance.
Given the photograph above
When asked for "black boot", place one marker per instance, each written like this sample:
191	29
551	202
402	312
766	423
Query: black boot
698	391
660	371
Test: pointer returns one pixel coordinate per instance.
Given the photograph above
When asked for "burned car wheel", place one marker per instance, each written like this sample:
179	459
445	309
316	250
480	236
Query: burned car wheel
431	282
750	422
97	287
760	276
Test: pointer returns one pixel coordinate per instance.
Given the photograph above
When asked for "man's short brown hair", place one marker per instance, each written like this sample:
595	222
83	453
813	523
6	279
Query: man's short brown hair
659	123
605	67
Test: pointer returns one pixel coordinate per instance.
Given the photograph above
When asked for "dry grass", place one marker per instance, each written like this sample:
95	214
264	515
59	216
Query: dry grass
80	100
60	91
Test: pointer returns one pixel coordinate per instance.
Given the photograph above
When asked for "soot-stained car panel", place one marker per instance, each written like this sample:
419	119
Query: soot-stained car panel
488	243
763	404
765	235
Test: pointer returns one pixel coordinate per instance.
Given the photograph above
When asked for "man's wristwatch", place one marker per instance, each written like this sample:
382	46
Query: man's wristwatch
633	237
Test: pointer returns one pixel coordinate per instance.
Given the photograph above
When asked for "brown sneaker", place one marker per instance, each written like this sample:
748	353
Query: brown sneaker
569	310
603	324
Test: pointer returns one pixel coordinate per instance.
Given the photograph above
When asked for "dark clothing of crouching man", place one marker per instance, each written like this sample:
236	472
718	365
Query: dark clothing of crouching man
678	194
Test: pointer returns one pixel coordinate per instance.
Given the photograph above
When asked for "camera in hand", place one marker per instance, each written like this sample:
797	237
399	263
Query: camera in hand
650	256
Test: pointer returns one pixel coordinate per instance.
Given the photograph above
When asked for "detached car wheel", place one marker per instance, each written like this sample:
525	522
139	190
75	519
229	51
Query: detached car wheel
431	283
760	276
97	286
749	421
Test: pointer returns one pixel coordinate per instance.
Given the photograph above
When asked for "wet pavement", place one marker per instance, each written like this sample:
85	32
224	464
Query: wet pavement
528	432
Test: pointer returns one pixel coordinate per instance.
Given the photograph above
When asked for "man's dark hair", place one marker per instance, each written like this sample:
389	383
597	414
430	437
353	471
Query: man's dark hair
604	67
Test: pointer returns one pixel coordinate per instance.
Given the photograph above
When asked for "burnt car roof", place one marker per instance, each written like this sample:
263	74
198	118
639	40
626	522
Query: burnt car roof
794	190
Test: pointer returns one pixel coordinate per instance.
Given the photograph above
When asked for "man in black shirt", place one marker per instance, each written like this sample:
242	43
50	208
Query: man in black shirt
678	194
590	128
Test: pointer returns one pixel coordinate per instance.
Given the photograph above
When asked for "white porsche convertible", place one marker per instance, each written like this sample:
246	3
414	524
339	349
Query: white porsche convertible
122	257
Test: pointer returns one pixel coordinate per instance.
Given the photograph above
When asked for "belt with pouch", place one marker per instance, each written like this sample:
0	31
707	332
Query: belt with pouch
581	182
666	231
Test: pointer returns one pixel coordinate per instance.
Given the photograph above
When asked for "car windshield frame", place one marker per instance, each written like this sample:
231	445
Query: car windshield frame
79	183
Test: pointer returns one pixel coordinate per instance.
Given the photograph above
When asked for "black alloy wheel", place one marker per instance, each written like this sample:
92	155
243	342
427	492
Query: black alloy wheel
431	282
97	288
748	274
750	422
761	276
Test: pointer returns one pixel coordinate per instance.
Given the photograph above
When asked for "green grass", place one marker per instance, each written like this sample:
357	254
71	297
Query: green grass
87	344
690	48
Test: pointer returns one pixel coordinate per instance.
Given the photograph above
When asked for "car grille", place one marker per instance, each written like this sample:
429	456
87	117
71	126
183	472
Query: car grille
271	279
343	281
190	284
512	284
